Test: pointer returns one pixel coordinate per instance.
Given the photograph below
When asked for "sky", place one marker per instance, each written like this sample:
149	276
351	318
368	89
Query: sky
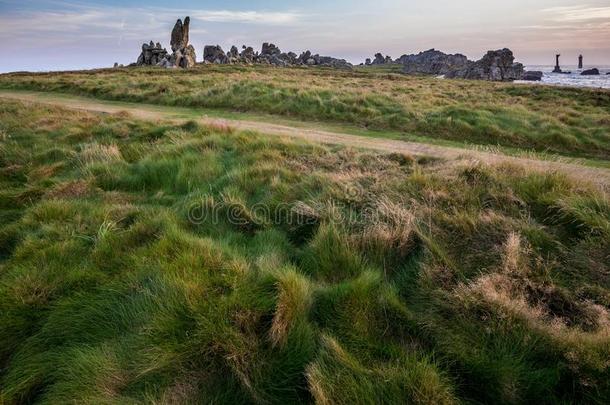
41	35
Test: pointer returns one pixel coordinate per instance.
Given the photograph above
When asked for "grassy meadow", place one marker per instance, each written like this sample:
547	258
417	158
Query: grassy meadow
145	262
566	121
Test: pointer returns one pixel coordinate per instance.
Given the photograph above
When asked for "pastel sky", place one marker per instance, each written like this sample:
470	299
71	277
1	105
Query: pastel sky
73	34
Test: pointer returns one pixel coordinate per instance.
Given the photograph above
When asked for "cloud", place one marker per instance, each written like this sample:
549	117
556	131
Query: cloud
77	23
578	13
250	17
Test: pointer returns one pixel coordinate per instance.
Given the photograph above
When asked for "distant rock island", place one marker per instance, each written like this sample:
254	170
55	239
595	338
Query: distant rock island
590	72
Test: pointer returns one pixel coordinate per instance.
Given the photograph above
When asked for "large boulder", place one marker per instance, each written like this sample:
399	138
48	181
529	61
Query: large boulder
327	61
591	72
379	59
215	54
270	50
233	55
532	76
432	62
189	58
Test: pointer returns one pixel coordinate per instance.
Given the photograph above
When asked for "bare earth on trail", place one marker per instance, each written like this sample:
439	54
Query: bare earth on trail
599	176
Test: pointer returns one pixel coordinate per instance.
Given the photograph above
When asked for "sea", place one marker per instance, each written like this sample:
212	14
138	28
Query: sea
574	78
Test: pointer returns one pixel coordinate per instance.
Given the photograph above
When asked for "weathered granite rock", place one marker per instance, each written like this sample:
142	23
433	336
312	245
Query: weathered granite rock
247	54
180	34
183	55
368	62
152	54
270	49
214	54
380	59
591	72
304	57
189	58
532	76
432	62
495	66
233	55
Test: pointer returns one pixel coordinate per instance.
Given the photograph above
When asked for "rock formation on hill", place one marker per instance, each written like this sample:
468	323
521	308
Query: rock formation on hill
495	65
152	54
183	54
270	55
379	60
432	62
214	54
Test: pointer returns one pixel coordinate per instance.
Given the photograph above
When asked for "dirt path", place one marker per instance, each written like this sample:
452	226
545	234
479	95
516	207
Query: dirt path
600	176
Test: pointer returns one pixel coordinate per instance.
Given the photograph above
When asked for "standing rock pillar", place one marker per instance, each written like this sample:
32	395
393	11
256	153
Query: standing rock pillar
580	62
184	54
557	67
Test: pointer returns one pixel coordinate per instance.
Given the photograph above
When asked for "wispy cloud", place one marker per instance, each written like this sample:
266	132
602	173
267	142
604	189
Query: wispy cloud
250	17
578	13
76	22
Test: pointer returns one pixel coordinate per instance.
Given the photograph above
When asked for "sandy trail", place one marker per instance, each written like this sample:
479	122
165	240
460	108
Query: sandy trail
601	176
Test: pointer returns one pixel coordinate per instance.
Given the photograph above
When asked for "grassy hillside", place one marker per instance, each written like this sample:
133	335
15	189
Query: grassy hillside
574	122
151	263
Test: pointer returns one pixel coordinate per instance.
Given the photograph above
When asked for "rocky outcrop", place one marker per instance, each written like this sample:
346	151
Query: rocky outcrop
184	58
233	55
270	49
152	54
495	65
591	72
532	76
183	54
214	54
379	60
247	54
270	55
432	62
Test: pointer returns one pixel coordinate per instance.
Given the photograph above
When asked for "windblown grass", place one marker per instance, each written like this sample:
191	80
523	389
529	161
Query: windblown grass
567	121
137	266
